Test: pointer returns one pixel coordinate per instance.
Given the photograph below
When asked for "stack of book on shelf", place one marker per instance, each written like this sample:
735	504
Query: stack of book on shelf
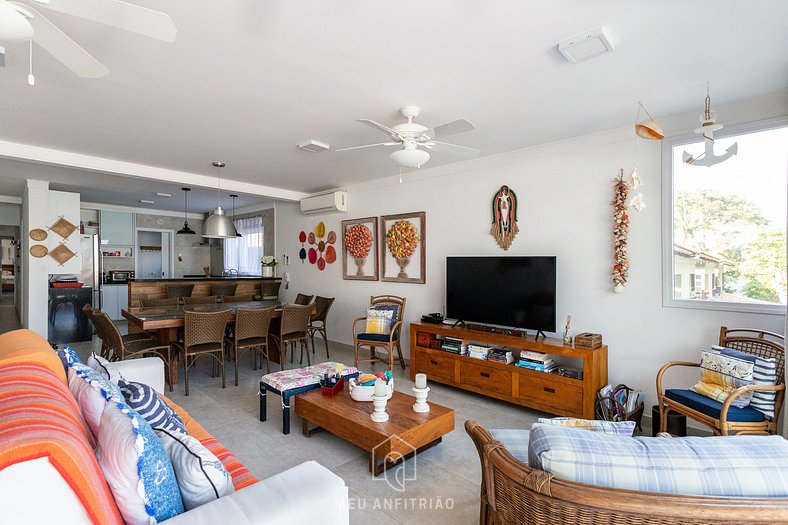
454	345
501	355
478	351
536	361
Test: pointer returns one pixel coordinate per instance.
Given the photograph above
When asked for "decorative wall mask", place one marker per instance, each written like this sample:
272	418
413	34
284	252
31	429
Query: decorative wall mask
504	222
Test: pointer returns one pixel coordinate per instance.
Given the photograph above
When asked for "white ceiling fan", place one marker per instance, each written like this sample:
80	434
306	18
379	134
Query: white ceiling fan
20	22
411	137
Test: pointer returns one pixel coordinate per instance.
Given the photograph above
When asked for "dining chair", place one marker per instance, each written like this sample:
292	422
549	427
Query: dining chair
237	298
768	351
388	340
251	333
317	324
203	299
302	299
158	303
203	335
179	290
269	290
293	328
126	338
223	289
121	350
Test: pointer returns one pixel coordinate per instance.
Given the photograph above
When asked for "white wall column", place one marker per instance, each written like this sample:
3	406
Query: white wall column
35	296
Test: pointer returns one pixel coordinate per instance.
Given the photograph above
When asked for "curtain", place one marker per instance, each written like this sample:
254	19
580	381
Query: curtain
244	253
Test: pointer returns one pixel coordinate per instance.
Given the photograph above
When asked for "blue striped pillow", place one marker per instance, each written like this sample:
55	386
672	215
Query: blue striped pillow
764	373
147	403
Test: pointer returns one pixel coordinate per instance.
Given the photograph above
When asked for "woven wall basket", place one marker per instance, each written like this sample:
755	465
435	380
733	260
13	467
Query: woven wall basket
61	254
38	251
38	235
63	227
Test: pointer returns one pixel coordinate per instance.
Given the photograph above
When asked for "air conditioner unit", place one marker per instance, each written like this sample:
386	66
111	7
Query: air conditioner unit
326	203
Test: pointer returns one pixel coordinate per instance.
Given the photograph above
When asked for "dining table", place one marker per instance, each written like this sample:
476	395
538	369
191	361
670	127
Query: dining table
166	321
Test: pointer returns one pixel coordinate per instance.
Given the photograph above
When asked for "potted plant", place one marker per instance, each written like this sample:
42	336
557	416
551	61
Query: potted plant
269	262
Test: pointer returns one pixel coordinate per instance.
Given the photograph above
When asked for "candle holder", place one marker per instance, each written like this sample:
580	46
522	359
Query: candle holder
421	405
379	415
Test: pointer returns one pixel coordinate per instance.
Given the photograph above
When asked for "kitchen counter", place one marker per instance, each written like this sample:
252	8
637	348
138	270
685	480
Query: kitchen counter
203	286
208	278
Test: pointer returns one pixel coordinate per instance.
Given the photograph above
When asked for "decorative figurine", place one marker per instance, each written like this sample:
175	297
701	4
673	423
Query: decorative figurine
504	223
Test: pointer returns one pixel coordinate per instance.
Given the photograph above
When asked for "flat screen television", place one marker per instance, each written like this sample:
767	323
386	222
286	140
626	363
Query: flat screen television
506	291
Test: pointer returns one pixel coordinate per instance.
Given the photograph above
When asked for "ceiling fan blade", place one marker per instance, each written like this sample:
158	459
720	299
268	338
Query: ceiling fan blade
380	126
450	128
122	15
370	146
59	45
14	26
453	149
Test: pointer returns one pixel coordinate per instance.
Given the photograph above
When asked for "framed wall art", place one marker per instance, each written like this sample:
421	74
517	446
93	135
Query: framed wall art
360	249
403	247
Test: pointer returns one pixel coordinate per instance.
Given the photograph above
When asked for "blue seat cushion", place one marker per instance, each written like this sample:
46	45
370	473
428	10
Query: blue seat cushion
383	338
711	408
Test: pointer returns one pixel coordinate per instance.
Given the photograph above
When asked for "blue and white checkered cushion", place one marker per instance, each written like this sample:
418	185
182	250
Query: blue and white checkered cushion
747	466
515	441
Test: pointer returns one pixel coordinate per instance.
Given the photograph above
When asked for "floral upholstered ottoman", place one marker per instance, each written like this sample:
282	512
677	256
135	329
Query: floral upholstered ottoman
287	383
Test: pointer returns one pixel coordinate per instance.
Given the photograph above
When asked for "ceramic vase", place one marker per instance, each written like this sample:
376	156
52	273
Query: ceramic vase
360	262
402	262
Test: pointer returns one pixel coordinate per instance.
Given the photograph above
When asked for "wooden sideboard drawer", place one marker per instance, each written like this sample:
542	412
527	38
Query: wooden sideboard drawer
486	377
435	365
551	393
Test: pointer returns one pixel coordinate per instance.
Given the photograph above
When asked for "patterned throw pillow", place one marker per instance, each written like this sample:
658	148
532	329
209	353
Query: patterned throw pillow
764	373
378	321
201	476
720	375
106	369
622	428
152	408
68	356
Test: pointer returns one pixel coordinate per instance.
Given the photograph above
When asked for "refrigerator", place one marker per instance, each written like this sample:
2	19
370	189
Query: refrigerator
91	266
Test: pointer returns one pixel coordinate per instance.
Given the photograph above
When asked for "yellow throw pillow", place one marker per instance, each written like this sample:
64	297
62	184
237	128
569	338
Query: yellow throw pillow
378	322
720	375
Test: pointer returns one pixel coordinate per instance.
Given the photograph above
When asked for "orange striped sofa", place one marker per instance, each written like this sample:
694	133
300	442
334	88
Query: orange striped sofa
49	473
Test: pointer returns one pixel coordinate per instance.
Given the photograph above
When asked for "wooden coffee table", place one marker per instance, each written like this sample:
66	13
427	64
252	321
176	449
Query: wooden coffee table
404	435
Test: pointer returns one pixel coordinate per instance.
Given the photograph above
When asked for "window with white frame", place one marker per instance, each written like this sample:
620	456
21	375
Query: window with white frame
244	253
725	225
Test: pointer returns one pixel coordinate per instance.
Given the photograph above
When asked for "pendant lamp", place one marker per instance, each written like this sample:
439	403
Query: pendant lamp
186	230
218	225
233	197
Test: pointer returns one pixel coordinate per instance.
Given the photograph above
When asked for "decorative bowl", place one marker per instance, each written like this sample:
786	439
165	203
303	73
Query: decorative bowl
364	393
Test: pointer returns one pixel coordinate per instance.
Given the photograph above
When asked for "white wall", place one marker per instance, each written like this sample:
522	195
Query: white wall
10	214
564	191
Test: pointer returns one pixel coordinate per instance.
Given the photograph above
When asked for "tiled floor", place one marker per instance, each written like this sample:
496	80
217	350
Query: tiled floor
447	476
8	318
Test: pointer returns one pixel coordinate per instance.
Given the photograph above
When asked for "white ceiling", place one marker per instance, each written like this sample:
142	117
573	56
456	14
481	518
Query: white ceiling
246	81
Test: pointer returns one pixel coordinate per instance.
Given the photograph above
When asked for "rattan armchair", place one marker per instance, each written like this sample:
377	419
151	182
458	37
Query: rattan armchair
120	349
317	324
251	333
203	336
373	341
201	299
293	329
126	338
512	493
722	421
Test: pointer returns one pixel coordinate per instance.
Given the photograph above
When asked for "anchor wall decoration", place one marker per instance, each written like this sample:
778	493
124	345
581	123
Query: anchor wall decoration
708	121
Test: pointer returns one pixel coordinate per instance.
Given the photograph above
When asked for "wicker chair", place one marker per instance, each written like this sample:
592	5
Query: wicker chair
179	290
251	333
317	324
223	289
755	342
126	338
203	336
170	302
302	299
374	341
237	298
269	290
512	493
204	299
293	329
119	349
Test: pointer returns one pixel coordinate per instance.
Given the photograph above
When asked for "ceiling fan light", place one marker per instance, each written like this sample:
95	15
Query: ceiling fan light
648	129
410	158
218	226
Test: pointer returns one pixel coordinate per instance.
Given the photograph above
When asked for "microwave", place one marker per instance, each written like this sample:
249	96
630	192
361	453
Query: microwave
120	276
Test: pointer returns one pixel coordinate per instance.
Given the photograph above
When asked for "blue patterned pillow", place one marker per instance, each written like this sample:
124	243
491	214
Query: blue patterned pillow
764	373
68	357
147	403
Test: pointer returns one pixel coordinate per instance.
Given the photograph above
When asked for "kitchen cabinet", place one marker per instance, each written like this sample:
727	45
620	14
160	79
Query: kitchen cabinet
115	298
117	228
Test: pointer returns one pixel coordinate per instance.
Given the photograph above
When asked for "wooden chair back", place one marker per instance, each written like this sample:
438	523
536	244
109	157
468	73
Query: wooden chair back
376	300
295	319
252	322
204	327
205	299
303	299
237	298
758	343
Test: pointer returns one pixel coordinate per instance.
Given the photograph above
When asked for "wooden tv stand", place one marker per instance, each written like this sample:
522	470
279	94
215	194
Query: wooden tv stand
547	392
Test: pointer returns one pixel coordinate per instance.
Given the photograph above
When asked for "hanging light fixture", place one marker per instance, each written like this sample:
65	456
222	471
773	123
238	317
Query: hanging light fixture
186	230
233	197
218	225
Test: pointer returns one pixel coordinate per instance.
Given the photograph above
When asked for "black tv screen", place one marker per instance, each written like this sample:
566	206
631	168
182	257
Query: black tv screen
506	291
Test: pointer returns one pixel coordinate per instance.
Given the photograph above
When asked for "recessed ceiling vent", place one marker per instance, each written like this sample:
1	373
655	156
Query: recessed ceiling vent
586	45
